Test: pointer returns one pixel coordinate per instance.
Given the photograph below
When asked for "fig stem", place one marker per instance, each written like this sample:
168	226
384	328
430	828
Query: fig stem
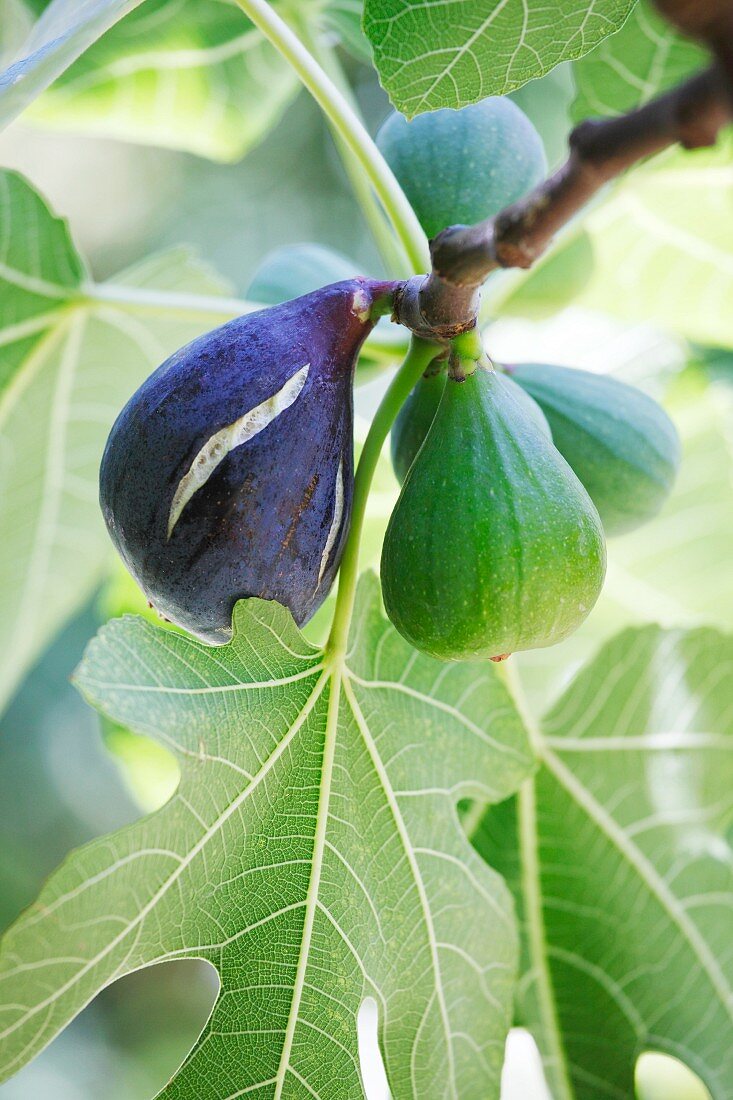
466	353
348	125
419	357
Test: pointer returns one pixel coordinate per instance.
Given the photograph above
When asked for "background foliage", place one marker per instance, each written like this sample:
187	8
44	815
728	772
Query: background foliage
88	307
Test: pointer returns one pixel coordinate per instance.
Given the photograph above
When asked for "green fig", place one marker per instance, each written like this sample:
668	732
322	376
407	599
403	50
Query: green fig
620	442
296	269
417	414
414	419
494	545
466	165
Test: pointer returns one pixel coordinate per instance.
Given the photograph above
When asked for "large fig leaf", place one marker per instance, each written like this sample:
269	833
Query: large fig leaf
456	52
619	852
312	854
630	67
68	362
194	75
64	30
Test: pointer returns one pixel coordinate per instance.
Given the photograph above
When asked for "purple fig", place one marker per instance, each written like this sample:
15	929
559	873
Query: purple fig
229	473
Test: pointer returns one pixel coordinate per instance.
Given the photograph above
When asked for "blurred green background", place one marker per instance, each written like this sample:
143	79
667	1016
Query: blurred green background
59	786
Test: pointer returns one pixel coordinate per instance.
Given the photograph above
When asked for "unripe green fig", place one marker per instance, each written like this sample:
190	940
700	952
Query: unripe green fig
416	415
494	545
296	269
414	419
459	167
620	442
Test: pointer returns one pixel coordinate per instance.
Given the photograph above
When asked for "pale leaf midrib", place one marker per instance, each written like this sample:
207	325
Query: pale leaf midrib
311	902
412	862
22	627
535	921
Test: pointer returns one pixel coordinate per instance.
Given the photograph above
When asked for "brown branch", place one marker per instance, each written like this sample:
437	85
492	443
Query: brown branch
444	303
709	21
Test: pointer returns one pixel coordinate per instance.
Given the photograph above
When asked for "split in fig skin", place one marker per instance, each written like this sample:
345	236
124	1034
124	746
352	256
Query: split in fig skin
494	545
230	472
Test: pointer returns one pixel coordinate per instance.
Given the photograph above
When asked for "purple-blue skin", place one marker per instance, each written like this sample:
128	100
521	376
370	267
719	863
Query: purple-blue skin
208	504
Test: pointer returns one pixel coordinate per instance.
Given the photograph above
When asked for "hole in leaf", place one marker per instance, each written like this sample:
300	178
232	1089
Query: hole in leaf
374	1076
662	1077
522	1076
149	770
128	1042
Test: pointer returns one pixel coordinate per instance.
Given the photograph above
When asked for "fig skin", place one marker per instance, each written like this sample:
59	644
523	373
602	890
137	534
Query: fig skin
620	442
494	545
459	167
418	412
413	421
272	516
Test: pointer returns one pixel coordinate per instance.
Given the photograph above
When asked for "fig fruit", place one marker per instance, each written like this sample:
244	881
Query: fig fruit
229	473
414	419
463	166
416	415
620	442
297	269
494	545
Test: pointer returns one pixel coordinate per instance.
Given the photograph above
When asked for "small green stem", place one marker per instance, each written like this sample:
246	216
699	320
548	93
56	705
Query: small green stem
418	359
393	254
348	126
466	353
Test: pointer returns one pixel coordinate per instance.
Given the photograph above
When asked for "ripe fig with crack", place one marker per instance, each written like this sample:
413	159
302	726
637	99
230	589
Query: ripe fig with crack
230	471
494	545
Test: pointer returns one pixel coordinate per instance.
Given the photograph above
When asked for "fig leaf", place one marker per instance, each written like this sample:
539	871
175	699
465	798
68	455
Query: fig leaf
628	68
312	854
61	34
59	395
193	75
619	854
475	50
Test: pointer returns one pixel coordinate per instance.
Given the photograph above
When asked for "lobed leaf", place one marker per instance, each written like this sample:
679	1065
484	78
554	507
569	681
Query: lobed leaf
62	33
68	362
312	854
449	54
630	67
194	75
620	857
